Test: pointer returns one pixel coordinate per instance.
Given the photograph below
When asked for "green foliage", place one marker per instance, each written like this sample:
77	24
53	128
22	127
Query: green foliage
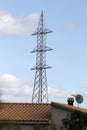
40	127
50	127
53	127
4	125
75	121
37	127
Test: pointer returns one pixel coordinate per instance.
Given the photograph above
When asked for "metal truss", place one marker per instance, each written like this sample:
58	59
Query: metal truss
40	90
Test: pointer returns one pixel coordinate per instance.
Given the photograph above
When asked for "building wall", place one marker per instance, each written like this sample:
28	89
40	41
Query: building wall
58	115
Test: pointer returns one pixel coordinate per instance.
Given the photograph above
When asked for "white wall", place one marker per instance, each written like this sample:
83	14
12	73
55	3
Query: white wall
57	115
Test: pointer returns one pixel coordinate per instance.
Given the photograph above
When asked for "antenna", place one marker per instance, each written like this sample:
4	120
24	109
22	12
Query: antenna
79	98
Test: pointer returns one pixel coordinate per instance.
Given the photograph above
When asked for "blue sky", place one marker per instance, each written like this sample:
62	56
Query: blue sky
68	21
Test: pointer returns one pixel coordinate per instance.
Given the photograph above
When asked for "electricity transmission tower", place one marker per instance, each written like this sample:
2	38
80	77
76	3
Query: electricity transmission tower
40	90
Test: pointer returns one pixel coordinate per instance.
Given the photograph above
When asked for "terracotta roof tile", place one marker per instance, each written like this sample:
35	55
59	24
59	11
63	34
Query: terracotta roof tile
25	112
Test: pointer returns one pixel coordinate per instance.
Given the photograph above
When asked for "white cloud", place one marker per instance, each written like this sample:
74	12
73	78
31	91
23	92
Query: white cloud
10	25
14	89
69	26
59	93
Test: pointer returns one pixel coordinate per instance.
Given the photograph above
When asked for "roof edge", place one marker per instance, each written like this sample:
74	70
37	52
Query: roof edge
26	122
68	107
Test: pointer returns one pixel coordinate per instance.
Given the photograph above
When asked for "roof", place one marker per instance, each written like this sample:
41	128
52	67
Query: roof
68	107
26	112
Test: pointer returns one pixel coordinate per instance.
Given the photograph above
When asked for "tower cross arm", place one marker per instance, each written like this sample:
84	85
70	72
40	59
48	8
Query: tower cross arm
44	49
44	31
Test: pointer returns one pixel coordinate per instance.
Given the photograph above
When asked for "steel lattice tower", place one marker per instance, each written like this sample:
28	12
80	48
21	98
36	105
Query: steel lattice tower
40	90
